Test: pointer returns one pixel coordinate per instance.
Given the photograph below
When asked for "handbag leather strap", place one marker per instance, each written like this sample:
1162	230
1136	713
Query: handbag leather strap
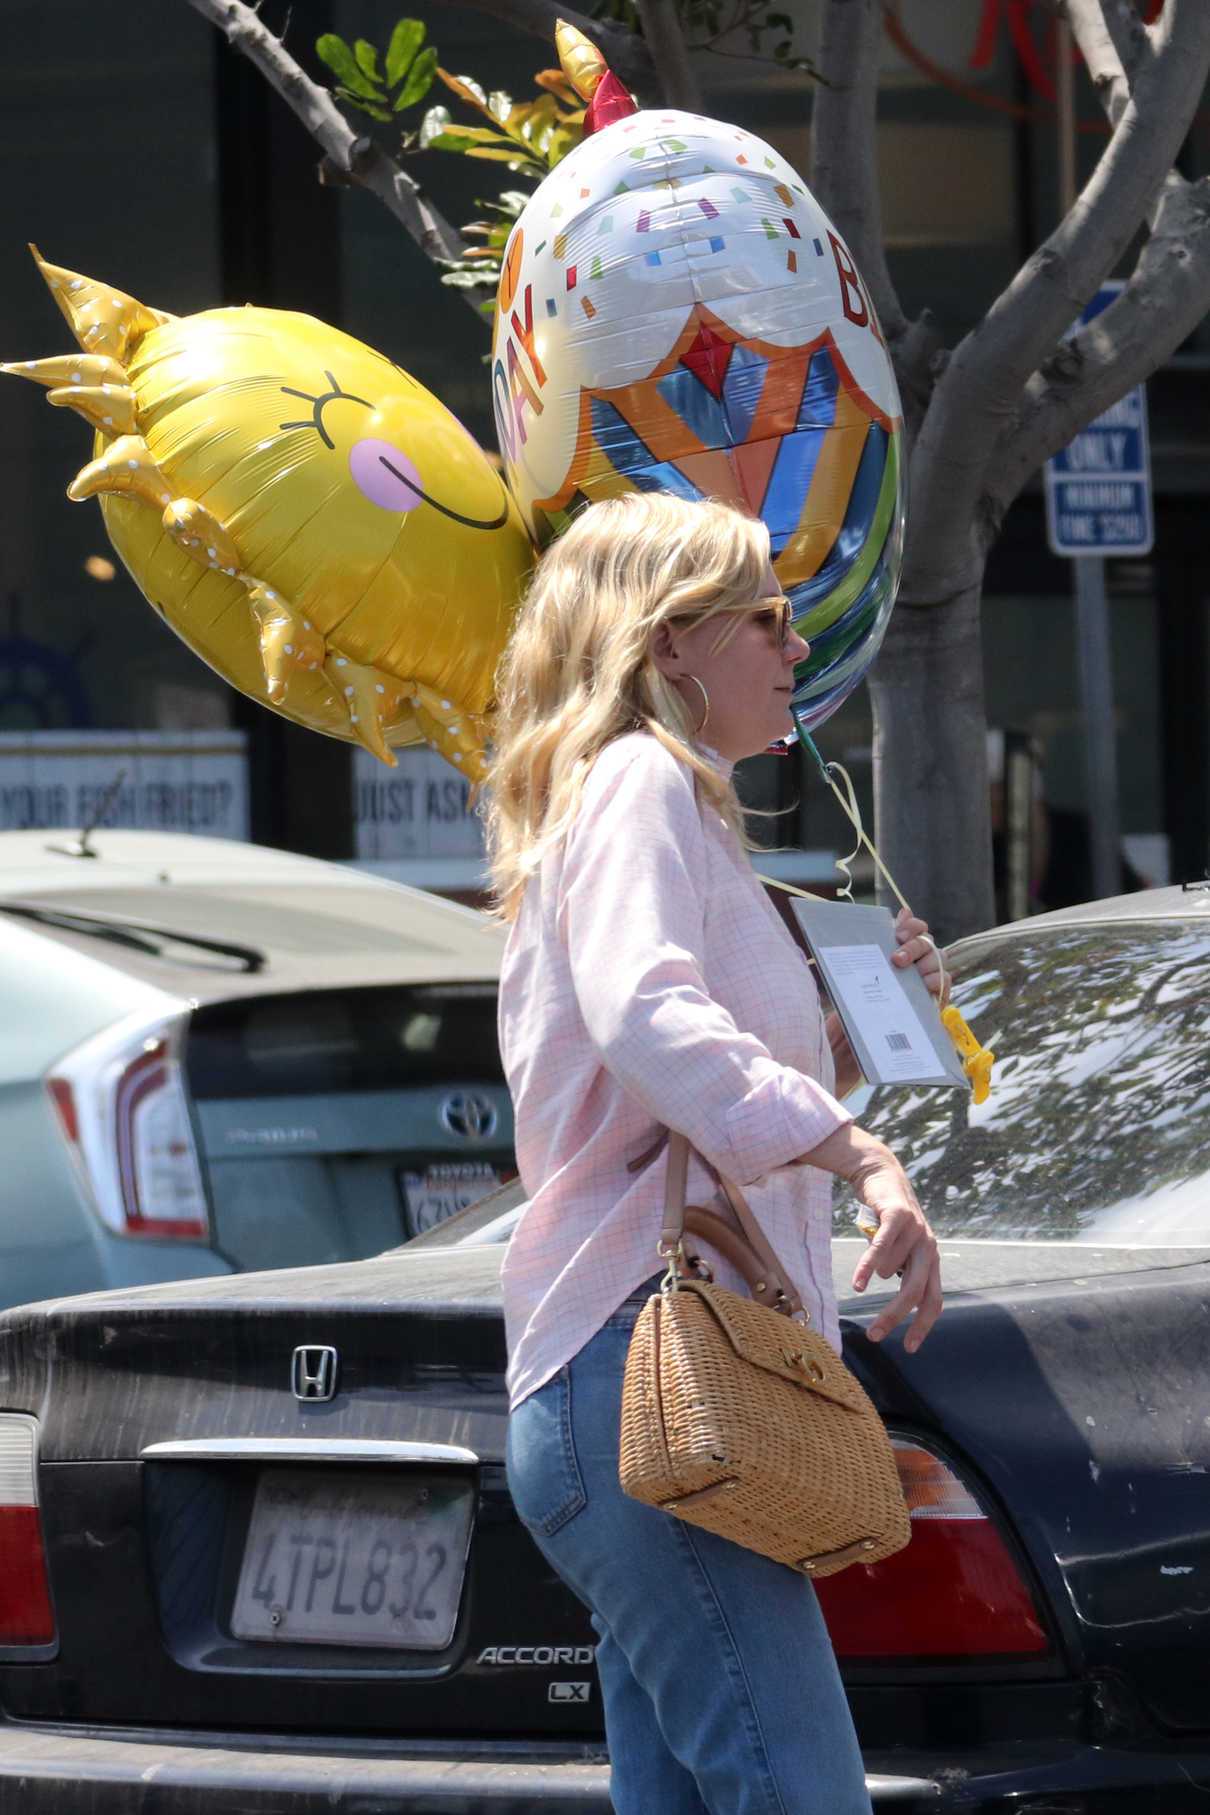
744	1247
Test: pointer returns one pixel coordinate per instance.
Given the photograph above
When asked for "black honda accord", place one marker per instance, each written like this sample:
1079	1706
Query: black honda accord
257	1551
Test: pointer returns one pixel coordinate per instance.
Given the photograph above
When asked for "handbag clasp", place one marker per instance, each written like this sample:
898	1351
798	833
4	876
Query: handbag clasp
681	1263
806	1364
674	1254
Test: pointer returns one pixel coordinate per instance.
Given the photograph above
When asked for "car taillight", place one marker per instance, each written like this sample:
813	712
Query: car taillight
954	1591
121	1104
26	1617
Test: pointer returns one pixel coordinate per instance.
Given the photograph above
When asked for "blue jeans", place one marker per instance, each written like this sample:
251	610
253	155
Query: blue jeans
721	1692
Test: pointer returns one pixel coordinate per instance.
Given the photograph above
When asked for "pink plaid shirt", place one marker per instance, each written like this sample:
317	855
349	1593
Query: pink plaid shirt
648	982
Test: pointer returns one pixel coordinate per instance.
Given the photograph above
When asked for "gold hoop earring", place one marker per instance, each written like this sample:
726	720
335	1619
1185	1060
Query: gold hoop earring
698	729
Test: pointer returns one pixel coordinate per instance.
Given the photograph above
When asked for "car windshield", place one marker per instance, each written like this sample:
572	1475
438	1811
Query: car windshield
1097	1126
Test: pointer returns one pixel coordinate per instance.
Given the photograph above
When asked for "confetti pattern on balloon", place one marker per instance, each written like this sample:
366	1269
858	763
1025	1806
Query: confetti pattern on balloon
676	312
308	518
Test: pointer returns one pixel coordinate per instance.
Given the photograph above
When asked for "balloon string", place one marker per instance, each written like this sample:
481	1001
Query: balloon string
845	864
976	1060
830	771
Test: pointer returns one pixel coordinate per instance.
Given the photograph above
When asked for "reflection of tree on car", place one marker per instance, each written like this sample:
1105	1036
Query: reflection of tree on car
1086	1022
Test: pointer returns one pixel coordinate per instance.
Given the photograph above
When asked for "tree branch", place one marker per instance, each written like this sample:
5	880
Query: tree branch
844	166
1131	39
669	53
627	55
980	391
1090	31
918	354
361	161
1168	294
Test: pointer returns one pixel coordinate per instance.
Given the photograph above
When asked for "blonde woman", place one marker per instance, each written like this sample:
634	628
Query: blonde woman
648	984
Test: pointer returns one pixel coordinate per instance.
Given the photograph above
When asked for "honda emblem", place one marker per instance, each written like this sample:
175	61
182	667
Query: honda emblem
314	1373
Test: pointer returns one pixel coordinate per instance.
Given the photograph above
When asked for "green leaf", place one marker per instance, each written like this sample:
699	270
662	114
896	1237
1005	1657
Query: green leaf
439	133
371	107
500	154
445	141
344	66
481	135
367	61
556	144
534	116
406	40
419	81
516	160
517	119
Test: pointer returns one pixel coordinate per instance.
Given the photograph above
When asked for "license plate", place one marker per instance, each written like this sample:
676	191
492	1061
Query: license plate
354	1561
444	1188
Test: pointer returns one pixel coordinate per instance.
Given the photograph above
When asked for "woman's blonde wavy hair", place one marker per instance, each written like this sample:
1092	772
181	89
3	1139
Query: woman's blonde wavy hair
578	671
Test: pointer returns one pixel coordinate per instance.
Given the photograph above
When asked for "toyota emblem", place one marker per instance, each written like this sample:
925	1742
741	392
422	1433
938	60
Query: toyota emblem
471	1117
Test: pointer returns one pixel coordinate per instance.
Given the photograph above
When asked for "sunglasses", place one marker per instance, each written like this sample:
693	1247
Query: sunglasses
776	613
779	615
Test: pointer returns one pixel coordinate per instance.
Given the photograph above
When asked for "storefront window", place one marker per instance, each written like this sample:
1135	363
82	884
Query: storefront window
96	694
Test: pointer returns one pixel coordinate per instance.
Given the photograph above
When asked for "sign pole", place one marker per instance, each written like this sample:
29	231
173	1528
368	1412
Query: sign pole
1089	513
1100	742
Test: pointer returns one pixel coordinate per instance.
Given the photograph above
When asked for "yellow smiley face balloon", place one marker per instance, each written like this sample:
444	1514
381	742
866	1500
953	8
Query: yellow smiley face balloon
306	516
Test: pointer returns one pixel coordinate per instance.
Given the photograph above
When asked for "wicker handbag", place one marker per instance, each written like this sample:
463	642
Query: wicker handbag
740	1419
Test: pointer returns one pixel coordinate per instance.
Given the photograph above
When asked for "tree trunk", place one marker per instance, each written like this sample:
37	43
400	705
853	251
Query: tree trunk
931	802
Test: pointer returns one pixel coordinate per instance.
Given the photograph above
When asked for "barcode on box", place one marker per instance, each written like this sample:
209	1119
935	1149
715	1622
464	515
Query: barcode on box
898	1042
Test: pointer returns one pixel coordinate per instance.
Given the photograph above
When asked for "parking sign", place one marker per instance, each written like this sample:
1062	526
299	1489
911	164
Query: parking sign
1098	488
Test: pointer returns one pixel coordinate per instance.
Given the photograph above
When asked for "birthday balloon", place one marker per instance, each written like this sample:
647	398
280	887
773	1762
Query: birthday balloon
676	312
306	516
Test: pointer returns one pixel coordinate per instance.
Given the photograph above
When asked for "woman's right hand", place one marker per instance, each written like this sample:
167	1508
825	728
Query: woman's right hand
904	1243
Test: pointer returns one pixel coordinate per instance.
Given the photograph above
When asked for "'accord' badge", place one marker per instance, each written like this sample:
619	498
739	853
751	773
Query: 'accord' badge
314	1373
471	1116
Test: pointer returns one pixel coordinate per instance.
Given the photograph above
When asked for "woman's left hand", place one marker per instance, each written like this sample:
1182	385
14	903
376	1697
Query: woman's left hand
916	946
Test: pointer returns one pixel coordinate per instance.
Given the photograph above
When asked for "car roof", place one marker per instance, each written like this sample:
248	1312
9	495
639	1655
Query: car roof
291	922
1187	902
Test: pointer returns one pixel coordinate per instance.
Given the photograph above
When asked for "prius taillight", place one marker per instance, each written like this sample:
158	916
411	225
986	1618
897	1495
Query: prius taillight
26	1616
122	1106
954	1592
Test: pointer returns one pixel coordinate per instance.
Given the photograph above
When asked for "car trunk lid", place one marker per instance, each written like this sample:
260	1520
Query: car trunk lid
313	1535
1069	1383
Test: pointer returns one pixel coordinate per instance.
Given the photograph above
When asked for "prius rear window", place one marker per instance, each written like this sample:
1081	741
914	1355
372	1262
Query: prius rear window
338	1040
